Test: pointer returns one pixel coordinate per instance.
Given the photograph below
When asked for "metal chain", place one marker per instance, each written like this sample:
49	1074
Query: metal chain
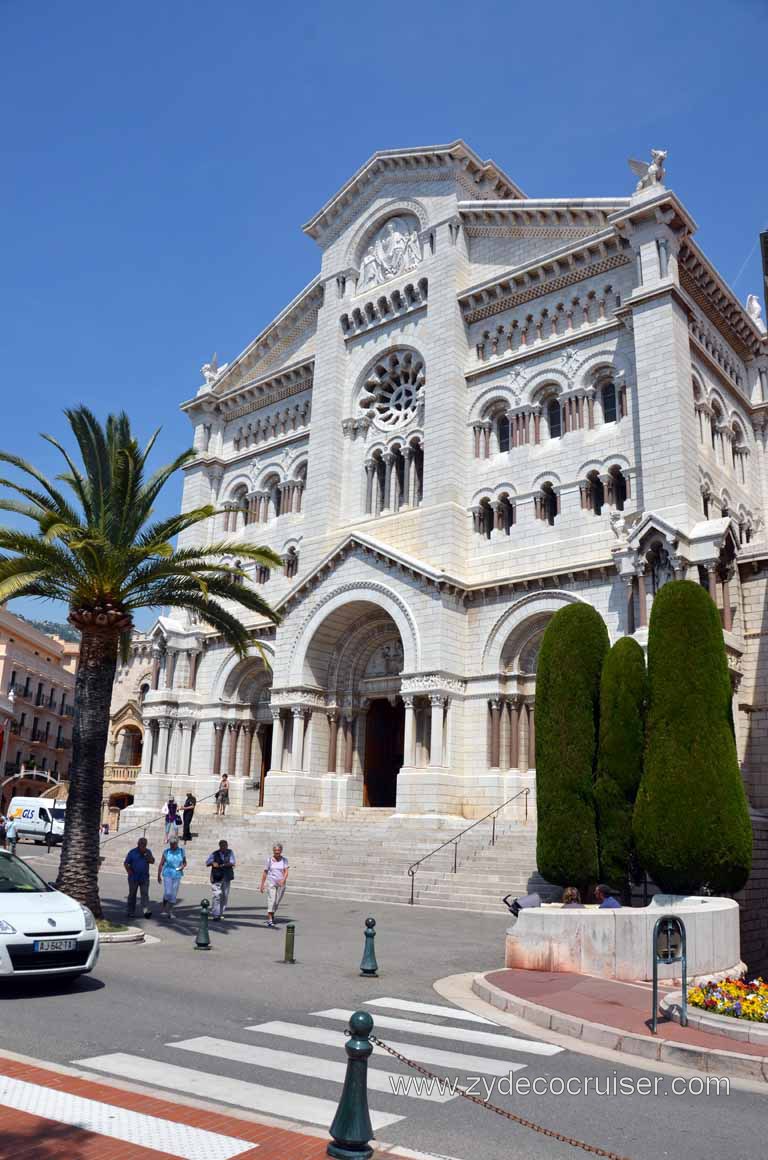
591	1148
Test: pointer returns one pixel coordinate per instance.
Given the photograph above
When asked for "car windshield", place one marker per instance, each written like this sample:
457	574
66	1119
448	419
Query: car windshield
18	878
59	815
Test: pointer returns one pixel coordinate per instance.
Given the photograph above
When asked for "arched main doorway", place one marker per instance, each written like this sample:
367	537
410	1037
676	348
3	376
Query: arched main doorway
249	732
356	657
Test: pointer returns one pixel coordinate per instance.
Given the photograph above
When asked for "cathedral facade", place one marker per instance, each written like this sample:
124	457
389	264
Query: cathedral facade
483	408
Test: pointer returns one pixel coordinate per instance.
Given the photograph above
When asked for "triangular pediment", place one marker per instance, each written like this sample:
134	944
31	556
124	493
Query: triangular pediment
356	544
480	179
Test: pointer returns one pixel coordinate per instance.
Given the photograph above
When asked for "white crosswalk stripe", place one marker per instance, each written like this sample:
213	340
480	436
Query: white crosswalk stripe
429	1009
289	1060
254	1096
455	1034
294	1064
457	1060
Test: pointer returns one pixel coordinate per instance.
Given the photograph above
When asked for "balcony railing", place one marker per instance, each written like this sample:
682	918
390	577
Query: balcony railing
115	772
21	691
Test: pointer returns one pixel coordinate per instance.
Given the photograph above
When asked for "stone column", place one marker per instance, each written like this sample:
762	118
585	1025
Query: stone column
712	578
233	730
629	584
437	701
642	601
727	614
370	472
388	461
495	706
407	457
155	668
163	743
514	733
218	741
298	712
170	669
522	739
276	758
409	742
531	735
146	749
246	749
333	739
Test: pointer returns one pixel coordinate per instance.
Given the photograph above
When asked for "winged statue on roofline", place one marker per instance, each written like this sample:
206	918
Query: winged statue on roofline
651	172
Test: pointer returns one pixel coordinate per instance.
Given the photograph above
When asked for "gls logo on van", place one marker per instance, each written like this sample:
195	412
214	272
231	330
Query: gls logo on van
19	813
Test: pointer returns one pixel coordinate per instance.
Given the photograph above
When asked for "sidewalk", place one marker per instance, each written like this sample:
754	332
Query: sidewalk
48	1114
616	1015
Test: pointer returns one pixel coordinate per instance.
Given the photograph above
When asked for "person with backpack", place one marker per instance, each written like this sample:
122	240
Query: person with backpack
222	864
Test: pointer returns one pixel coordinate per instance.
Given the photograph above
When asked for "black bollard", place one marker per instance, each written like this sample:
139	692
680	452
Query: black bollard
369	966
203	940
351	1129
290	936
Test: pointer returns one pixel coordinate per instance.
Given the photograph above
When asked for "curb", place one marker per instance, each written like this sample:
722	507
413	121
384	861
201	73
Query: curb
659	1050
744	1031
134	934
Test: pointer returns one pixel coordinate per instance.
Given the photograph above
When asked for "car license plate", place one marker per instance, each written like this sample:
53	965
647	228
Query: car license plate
56	944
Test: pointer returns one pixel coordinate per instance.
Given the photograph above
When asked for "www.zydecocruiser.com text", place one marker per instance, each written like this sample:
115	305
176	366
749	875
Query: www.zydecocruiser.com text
486	1088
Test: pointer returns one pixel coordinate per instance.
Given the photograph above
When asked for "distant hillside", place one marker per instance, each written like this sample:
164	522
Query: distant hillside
53	628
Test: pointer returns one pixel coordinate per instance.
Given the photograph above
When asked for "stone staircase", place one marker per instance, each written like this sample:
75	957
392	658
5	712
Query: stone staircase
365	856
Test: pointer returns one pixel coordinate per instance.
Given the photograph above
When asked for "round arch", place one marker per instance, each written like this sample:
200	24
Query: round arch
233	669
533	607
354	597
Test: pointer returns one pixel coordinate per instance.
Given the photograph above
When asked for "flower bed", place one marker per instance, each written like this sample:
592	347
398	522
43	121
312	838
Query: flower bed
734	997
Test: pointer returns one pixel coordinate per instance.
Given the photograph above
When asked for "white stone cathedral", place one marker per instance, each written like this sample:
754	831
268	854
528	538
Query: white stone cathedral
482	408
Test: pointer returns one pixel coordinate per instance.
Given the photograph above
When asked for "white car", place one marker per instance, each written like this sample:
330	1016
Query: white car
42	931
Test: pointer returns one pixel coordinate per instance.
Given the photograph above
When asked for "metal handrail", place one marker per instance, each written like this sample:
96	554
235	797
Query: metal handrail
150	821
455	839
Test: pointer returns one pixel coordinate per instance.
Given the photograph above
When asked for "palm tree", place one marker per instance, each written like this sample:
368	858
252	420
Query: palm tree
96	547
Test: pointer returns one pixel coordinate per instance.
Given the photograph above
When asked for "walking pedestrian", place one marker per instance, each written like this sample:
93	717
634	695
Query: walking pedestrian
222	863
3	823
172	865
12	833
137	863
222	796
187	813
171	819
275	876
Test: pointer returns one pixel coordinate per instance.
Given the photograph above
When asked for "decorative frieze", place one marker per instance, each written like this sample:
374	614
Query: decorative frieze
386	308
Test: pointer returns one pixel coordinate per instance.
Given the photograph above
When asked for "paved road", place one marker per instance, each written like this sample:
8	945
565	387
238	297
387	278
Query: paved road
237	1026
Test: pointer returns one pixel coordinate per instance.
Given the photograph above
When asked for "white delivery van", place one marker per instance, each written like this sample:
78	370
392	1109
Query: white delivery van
37	817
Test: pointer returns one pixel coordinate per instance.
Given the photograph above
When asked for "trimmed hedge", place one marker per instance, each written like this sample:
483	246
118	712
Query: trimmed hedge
567	705
691	822
623	693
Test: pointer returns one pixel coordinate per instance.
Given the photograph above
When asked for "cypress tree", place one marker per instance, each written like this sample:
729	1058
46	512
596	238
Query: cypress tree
623	691
567	707
691	821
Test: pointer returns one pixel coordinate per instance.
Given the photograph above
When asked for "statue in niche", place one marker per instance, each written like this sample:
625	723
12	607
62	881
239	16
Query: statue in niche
660	566
650	173
755	311
394	249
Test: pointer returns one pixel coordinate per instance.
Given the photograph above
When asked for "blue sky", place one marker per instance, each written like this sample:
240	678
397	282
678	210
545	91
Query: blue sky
161	157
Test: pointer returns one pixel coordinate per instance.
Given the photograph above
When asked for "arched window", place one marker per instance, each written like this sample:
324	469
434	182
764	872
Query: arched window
301	483
608	397
618	488
274	496
416	486
595	493
547	503
554	419
502	431
237	510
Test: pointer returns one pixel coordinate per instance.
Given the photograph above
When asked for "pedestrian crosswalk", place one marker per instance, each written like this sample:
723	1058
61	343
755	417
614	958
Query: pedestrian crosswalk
295	1070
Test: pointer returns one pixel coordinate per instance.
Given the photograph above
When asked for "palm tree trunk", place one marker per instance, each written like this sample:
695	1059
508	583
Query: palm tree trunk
80	858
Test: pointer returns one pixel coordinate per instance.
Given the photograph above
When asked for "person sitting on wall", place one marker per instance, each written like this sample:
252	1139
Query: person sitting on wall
606	898
571	899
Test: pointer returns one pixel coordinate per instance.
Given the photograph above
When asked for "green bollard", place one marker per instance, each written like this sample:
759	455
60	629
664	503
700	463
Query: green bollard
290	936
203	940
351	1129
369	966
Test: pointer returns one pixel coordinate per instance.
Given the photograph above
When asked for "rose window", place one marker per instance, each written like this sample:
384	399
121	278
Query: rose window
393	390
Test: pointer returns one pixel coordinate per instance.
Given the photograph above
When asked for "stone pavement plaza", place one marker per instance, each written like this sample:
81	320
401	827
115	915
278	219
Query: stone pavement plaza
250	1037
